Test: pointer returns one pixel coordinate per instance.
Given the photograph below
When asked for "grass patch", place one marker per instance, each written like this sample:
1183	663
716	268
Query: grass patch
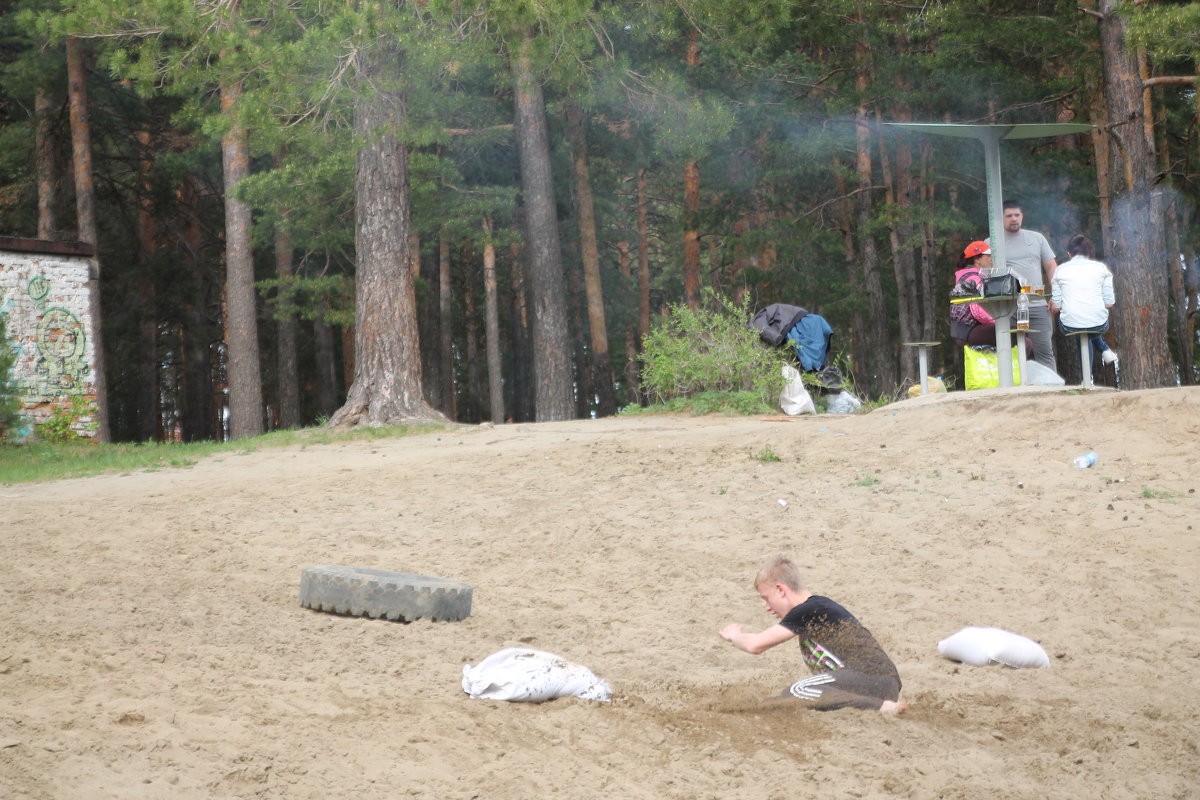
766	455
747	404
1156	494
46	461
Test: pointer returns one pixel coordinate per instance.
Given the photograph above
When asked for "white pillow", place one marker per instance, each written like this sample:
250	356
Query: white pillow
523	675
981	646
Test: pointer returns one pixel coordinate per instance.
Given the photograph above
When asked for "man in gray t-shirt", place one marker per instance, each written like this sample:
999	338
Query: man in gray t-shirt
1029	257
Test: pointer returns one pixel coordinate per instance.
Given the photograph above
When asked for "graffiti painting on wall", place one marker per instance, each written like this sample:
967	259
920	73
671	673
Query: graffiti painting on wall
37	289
61	345
46	304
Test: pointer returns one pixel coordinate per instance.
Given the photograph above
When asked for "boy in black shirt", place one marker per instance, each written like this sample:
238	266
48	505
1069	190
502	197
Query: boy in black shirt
849	667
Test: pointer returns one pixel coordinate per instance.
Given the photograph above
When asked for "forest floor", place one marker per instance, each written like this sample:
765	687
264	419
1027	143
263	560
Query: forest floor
154	647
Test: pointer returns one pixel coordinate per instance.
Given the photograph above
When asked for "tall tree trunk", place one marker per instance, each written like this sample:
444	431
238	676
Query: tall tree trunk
691	204
845	216
491	310
1183	325
387	352
149	393
895	184
632	379
327	380
243	367
429	326
85	213
584	392
470	344
643	249
590	252
198	413
876	338
551	337
1135	244
47	164
446	326
522	402
287	366
930	285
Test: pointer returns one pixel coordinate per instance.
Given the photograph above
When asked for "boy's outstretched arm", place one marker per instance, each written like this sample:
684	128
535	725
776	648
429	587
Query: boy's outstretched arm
755	643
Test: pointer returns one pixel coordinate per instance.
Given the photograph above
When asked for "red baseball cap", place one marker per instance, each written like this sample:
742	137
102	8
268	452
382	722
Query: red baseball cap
977	249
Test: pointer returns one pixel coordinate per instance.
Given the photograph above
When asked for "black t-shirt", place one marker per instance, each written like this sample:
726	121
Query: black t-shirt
832	639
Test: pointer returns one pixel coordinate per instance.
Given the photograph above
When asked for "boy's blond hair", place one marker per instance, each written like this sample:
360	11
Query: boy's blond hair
780	569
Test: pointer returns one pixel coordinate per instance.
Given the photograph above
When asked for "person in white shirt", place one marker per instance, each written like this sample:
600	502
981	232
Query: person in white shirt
1082	293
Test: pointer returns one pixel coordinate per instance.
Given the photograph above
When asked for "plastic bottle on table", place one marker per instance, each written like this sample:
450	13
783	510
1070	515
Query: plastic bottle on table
1022	316
1084	461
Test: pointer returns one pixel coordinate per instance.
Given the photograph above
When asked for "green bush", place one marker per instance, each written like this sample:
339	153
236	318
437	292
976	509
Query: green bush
691	352
62	424
10	402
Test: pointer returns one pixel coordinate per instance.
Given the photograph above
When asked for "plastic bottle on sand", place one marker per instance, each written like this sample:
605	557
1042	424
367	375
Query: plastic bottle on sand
1084	461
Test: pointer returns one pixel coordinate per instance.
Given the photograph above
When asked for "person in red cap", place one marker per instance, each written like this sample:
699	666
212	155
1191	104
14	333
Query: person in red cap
970	323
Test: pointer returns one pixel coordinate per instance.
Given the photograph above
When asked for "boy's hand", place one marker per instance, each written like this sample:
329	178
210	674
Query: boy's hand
754	643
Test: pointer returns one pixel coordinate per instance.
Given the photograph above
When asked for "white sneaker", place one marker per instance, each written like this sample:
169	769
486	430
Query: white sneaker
1108	356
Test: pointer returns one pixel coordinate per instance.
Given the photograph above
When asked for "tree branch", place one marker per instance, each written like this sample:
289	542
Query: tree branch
1165	79
468	131
846	196
1089	12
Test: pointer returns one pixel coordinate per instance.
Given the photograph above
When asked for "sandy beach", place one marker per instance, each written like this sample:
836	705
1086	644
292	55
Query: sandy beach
154	645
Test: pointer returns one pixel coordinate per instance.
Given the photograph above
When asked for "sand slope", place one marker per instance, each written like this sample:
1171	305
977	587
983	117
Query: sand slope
153	645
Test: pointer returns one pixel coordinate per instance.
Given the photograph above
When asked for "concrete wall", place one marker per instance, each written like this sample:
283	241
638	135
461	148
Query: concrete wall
44	296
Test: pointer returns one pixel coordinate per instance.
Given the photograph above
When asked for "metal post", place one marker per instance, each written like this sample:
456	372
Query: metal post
1021	361
990	138
1085	360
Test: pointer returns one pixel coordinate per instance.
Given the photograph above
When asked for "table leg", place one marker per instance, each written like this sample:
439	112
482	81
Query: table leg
1004	348
923	361
1021	357
1085	359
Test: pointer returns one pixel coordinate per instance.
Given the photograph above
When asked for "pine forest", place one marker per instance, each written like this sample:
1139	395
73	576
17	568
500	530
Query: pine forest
380	211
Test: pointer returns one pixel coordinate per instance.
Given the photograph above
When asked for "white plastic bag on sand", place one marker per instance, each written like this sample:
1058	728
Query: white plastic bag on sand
982	646
1040	375
794	399
843	403
531	676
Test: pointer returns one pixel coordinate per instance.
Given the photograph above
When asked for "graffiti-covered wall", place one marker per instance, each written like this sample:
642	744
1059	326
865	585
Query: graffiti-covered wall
44	297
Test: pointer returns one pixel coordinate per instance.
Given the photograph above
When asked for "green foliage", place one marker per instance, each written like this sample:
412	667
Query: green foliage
766	455
1166	31
64	421
709	350
10	402
329	298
